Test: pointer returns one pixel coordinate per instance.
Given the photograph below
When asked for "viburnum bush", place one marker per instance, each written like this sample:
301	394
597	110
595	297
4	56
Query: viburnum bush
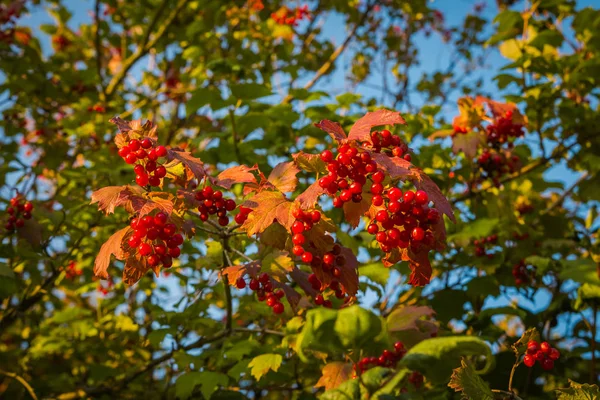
306	199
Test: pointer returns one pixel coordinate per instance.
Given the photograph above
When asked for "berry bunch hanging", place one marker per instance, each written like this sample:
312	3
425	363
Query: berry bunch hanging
263	286
71	271
145	154
388	359
524	274
481	244
543	353
287	16
156	239
504	129
212	202
18	211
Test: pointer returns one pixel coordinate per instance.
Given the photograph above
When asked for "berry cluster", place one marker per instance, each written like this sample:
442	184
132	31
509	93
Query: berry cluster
416	379
156	239
18	211
494	164
303	223
286	16
391	145
72	271
212	202
264	291
542	353
524	274
480	245
147	171
503	129
388	359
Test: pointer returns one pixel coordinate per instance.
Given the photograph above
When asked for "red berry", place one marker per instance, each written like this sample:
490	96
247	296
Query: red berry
297	227
532	347
545	347
382	216
141	154
28	207
418	234
230	205
326	156
278	308
154	180
376	188
223	221
547	364
254	284
160	219
409	196
298	250
167	261
134	242
529	360
378	177
319	300
26	215
395	194
174	252
372	229
146	143
153	260
279	293
130	158
307	257
554	354
377	200
134	145
161	151
399	346
160	172
123	151
421	197
328	259
408	157
145	249
315	216
298	239
160	249
264	277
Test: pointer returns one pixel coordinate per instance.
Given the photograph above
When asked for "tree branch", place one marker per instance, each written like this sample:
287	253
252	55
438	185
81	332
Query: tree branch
147	43
21	381
566	193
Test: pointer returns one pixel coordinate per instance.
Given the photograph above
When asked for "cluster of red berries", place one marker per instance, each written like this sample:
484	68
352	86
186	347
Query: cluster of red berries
416	379
524	274
156	239
409	211
286	16
542	353
388	359
212	202
72	271
97	108
503	129
145	151
480	244
264	291
303	223
18	211
495	164
256	5
103	290
391	145
459	129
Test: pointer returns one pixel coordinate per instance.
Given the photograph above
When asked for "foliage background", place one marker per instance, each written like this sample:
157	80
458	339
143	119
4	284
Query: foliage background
234	87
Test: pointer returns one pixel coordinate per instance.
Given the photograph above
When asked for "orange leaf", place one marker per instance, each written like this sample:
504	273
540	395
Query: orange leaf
235	271
237	174
361	130
334	374
195	165
397	168
310	196
110	247
354	211
309	162
283	176
135	269
110	197
268	206
333	128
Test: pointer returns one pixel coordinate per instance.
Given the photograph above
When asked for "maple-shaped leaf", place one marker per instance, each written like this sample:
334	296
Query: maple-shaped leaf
317	239
283	177
500	109
310	162
310	196
109	197
421	268
349	277
424	182
301	278
111	247
412	324
396	168
195	165
155	201
354	211
520	346
465	379
135	268
257	186
275	236
361	130
236	174
467	143
334	374
578	391
267	207
333	129
233	272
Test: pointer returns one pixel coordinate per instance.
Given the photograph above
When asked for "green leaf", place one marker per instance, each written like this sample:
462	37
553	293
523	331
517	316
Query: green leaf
586	294
483	286
435	357
201	97
349	390
208	381
582	270
6	271
490	312
474	230
578	391
547	38
391	384
356	326
541	263
520	346
249	91
376	272
317	333
264	363
466	380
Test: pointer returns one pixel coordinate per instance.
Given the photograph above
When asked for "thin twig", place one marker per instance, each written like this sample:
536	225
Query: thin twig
21	381
566	193
269	331
241	254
